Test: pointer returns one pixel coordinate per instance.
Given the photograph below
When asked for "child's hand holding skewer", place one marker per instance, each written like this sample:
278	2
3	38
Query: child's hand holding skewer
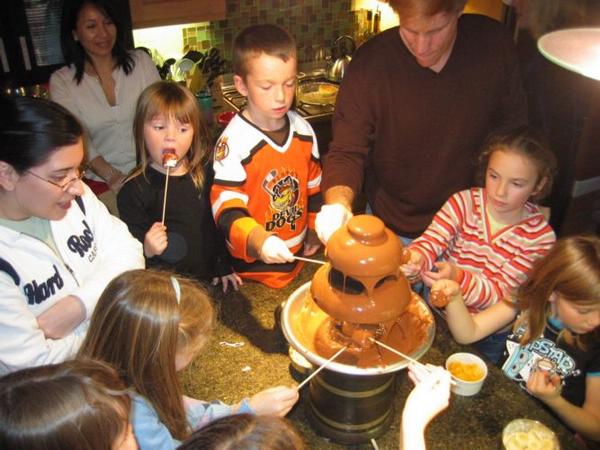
275	401
430	395
155	240
546	386
443	292
441	271
412	269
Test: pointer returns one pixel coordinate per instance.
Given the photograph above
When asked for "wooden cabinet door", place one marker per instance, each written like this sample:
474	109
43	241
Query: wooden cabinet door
155	13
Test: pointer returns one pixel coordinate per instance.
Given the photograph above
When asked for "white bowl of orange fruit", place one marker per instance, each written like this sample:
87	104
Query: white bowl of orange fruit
468	371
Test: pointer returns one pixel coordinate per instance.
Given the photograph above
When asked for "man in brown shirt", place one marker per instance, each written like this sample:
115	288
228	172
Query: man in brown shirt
413	110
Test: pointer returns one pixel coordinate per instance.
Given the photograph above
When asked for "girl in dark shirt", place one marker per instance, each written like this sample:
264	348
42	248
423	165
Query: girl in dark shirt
168	121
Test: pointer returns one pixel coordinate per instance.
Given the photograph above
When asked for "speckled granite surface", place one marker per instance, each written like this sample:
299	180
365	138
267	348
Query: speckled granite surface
231	373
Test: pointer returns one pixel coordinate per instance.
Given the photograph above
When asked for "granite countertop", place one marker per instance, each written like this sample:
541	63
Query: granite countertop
230	373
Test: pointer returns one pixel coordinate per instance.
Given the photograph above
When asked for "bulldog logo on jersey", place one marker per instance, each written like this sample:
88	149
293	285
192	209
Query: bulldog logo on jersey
284	193
221	149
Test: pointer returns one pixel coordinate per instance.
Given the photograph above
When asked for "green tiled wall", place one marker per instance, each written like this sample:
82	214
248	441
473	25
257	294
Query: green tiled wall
313	23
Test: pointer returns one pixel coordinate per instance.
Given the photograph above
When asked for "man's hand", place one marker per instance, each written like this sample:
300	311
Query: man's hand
329	219
62	318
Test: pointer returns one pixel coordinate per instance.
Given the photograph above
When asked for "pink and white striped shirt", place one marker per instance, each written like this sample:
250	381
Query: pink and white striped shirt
493	265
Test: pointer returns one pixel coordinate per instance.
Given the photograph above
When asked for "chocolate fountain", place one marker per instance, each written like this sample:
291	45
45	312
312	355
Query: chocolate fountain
360	296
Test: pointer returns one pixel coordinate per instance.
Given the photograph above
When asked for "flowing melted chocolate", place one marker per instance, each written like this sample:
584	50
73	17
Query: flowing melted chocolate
406	333
365	297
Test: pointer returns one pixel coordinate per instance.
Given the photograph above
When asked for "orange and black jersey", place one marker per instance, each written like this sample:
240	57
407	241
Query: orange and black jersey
260	183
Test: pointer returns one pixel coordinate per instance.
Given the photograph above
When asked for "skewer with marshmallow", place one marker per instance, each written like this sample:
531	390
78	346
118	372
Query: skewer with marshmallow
169	160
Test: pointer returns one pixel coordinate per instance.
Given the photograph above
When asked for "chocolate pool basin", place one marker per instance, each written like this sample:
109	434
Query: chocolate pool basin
301	317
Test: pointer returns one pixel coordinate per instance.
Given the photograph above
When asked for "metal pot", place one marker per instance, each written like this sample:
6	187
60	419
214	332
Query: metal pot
344	46
345	403
338	68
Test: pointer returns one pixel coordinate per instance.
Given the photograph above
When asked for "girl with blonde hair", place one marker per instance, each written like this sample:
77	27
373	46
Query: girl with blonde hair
168	120
149	325
554	349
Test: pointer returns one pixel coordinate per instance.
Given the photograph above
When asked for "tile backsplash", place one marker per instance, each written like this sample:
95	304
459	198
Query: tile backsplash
314	24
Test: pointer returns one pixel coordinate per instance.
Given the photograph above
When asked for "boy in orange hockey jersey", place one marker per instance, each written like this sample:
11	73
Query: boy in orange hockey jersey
266	190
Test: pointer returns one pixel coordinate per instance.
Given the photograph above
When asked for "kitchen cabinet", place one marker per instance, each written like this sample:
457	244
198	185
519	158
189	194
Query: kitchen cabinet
30	39
153	13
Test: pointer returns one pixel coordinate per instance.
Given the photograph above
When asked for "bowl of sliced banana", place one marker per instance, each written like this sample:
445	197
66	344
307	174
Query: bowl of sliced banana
526	434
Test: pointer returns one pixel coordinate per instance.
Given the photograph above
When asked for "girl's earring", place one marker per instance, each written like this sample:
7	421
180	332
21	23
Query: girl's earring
553	297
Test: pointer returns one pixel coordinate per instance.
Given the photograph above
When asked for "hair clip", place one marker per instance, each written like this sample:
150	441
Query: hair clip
176	288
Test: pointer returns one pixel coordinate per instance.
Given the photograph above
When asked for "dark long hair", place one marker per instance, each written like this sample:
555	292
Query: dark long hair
72	50
245	432
31	129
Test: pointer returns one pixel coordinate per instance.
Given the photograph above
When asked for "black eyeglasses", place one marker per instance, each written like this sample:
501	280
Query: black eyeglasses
63	186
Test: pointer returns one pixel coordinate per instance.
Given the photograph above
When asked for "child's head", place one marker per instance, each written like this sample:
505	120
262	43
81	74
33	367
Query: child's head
566	283
245	432
522	158
78	405
255	40
148	324
167	116
264	64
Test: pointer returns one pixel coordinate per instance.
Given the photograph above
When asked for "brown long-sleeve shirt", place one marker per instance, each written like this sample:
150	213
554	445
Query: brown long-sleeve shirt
411	135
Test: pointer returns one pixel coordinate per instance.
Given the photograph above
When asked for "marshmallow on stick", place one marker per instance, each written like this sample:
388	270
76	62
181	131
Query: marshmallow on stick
169	159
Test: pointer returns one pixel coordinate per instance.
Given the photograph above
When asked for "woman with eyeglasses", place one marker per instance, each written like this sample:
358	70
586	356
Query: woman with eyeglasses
59	246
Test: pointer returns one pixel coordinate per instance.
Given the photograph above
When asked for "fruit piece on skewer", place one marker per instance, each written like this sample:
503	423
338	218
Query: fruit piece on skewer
169	157
439	299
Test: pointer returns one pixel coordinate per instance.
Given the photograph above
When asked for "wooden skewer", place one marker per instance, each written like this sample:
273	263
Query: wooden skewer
310	260
326	363
165	197
412	360
399	353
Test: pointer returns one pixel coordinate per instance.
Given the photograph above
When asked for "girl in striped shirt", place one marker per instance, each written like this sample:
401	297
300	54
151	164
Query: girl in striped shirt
487	239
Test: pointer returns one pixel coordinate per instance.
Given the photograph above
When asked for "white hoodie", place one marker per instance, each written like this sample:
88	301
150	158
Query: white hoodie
94	248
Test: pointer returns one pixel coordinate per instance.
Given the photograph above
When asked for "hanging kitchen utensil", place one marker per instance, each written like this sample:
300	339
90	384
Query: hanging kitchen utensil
343	46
